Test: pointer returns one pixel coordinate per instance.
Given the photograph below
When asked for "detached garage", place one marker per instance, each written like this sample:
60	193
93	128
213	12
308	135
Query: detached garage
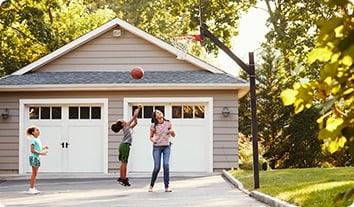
76	92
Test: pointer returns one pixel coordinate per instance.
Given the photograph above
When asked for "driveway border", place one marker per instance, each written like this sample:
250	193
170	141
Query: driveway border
275	202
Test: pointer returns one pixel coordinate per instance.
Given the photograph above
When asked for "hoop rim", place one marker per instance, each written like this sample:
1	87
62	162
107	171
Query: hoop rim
193	37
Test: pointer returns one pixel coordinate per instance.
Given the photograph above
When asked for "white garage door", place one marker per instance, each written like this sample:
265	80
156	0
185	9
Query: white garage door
73	134
191	149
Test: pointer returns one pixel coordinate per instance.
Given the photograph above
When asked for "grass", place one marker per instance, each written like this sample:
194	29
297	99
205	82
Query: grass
307	187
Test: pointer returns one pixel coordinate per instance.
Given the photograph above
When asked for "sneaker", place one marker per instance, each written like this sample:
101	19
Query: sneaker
123	181
33	191
168	190
150	189
126	182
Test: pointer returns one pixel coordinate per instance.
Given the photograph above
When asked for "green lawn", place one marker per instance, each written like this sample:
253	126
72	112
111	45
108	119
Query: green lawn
303	187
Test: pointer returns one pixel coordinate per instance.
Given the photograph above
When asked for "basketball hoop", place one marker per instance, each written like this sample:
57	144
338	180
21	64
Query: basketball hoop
193	37
183	43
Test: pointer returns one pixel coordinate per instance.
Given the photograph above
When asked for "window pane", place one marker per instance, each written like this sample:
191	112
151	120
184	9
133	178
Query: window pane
45	112
148	112
34	112
160	108
140	113
176	112
199	111
73	112
188	112
85	112
95	112
56	112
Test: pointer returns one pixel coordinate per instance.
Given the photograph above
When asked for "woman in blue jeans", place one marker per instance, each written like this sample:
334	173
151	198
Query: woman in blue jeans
160	133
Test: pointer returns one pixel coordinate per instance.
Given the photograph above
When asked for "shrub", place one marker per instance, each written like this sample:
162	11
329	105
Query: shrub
246	154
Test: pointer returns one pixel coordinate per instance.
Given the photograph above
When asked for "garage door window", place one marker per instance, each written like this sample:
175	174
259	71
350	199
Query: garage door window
176	112
34	112
84	112
147	111
188	112
56	112
199	111
44	113
95	112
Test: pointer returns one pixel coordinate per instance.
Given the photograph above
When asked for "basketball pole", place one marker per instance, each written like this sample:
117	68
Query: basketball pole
250	70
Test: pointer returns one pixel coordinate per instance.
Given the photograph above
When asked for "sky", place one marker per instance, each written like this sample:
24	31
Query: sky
252	30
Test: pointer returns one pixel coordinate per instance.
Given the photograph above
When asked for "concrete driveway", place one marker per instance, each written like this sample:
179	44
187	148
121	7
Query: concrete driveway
200	191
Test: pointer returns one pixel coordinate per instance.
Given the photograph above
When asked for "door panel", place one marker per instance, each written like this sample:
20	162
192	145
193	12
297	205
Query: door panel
84	148
189	151
52	137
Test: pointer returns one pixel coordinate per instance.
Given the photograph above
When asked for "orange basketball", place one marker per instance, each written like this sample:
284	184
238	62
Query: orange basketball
137	73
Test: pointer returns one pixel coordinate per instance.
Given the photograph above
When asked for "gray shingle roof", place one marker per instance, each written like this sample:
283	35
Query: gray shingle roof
150	77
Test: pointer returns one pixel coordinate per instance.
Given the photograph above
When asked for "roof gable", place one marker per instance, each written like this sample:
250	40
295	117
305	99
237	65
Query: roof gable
105	28
110	53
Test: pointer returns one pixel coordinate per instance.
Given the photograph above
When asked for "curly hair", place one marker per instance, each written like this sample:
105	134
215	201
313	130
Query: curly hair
116	127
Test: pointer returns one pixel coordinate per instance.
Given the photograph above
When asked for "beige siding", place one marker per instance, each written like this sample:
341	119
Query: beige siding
224	138
9	135
108	53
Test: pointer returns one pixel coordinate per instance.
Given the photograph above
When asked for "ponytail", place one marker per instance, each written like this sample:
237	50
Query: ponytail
30	130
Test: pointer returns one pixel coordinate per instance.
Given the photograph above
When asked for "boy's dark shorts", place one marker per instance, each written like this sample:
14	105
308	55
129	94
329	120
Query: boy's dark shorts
34	162
124	150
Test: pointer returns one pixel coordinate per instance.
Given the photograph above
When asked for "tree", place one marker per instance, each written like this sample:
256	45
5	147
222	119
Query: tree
289	141
293	31
30	29
167	19
333	91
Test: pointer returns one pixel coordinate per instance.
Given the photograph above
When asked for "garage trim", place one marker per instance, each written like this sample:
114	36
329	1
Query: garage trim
22	137
209	100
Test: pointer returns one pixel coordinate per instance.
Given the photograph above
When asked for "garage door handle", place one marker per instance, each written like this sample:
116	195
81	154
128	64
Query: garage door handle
66	144
62	145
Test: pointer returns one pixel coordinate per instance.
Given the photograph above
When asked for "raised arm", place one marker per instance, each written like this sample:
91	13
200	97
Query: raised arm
134	117
134	123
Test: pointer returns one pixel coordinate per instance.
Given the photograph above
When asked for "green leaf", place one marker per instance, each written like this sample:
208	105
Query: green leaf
339	31
336	144
348	91
333	146
325	134
333	123
342	141
326	106
335	89
299	106
322	54
329	70
347	60
288	96
328	26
